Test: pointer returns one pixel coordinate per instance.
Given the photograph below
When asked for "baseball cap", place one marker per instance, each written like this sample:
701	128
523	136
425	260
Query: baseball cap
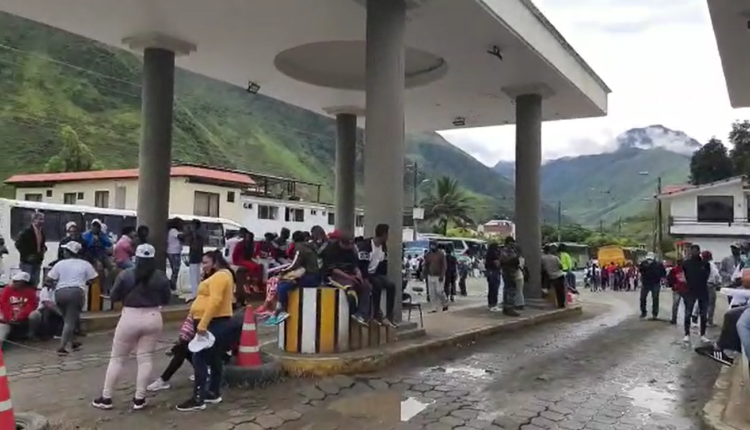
73	247
21	277
145	251
70	225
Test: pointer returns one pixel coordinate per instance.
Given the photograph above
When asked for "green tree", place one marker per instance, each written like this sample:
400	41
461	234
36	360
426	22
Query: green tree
447	204
740	153
710	163
74	155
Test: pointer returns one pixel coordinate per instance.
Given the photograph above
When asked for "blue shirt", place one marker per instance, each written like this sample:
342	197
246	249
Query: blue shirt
97	245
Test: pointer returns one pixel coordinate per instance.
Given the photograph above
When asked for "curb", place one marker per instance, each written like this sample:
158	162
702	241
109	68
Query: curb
269	372
715	408
376	359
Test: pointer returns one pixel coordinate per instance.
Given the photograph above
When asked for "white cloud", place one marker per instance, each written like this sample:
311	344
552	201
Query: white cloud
659	58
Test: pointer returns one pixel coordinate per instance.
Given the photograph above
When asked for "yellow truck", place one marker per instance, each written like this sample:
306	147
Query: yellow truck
610	254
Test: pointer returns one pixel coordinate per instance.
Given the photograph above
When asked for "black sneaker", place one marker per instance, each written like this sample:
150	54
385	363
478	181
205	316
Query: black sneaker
139	404
511	312
76	346
714	354
102	403
213	399
62	352
191	405
673	322
643	315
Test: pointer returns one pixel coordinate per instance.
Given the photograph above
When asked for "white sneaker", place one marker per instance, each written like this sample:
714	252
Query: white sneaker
704	339
496	309
192	378
158	385
686	339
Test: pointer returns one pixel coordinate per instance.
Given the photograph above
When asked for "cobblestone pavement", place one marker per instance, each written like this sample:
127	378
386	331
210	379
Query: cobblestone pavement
603	370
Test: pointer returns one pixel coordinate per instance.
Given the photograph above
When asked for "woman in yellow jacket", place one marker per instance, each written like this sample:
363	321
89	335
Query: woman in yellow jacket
212	312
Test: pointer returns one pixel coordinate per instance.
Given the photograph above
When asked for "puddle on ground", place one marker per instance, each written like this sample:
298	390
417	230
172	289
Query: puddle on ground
651	398
411	407
471	371
383	406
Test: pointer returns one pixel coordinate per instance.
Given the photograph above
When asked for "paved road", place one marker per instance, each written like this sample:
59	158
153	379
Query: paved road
603	370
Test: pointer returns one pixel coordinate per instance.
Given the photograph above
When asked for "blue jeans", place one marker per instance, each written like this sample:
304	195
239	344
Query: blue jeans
284	287
127	264
175	261
212	358
743	329
493	287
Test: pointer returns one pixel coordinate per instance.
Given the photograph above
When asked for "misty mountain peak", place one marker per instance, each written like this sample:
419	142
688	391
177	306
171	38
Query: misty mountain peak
657	136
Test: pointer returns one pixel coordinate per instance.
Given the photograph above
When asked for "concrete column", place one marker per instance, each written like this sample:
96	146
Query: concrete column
384	145
528	186
346	162
155	156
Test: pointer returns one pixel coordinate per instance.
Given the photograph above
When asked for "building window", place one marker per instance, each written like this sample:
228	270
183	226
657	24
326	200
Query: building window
80	196
101	199
230	196
268	212
70	198
715	209
49	193
331	218
295	215
33	197
313	212
359	221
206	204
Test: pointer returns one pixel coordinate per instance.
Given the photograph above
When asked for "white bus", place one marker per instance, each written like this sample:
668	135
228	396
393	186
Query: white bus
16	214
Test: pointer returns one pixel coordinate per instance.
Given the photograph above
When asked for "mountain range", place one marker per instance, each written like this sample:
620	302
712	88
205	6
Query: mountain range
617	184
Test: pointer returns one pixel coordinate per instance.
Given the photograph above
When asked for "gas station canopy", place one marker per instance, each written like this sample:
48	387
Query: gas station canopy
465	60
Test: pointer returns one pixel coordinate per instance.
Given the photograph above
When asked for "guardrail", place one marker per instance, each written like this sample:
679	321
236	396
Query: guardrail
673	220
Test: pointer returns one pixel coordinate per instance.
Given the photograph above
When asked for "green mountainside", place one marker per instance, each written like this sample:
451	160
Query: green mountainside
614	185
50	79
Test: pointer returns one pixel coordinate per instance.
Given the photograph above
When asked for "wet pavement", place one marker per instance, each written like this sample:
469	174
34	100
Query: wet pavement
603	370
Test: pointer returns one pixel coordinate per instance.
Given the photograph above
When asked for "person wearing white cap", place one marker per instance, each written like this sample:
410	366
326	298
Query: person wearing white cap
17	302
72	234
70	278
142	290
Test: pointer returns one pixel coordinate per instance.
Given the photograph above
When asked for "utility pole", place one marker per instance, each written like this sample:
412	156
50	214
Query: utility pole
601	226
559	220
619	226
659	221
415	178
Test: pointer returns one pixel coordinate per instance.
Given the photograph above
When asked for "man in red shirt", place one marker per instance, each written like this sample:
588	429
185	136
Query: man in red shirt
677	282
17	301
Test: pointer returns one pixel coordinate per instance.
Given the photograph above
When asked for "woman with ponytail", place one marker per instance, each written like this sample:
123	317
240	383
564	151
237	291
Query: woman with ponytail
142	291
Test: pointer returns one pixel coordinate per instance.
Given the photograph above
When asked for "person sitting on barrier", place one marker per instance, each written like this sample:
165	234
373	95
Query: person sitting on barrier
244	256
730	337
124	249
17	302
73	234
373	262
212	312
341	267
46	321
71	278
303	272
143	290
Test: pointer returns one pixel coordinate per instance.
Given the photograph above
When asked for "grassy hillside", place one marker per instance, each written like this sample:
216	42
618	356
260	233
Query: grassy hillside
607	187
50	79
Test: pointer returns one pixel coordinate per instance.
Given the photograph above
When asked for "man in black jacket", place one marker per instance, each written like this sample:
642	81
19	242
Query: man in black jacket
31	245
373	262
652	272
697	272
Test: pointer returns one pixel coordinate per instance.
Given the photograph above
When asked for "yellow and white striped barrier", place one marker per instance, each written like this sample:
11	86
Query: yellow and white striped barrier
318	322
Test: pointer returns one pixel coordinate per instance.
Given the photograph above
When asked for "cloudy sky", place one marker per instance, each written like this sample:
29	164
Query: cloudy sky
659	58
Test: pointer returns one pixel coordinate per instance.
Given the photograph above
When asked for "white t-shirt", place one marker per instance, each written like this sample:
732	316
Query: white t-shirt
45	295
174	246
376	257
73	272
229	248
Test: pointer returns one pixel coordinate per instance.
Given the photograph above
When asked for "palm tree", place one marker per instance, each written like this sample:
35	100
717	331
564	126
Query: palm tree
447	203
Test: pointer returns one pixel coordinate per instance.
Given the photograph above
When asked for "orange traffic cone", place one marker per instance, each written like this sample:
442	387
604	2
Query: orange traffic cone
249	351
7	418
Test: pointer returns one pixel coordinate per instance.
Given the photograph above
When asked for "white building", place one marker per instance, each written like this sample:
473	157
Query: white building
711	215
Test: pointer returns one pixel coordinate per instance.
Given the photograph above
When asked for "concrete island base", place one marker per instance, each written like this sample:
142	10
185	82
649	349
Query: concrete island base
727	408
454	328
